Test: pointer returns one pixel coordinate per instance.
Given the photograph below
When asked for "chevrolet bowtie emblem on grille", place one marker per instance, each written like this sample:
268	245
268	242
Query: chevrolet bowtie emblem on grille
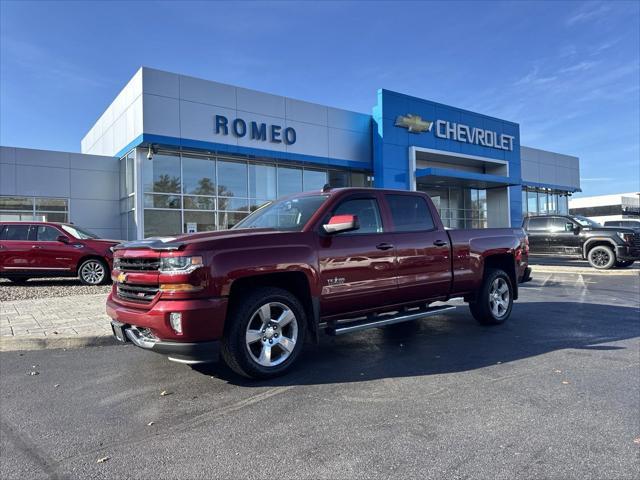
122	277
413	123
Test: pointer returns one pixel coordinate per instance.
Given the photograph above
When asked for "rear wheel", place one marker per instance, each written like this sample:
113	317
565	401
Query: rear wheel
265	333
495	298
601	257
93	272
625	264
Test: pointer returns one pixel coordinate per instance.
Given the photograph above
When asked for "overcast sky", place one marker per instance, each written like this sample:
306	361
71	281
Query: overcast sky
567	72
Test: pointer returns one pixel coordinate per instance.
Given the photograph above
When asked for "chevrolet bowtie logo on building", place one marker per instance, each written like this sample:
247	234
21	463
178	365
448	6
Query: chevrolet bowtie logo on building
414	123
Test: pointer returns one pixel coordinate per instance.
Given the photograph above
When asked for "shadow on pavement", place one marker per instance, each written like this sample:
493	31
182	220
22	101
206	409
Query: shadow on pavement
453	343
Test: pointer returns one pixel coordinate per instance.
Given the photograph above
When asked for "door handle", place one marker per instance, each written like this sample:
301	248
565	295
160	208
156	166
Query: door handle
37	246
439	243
384	246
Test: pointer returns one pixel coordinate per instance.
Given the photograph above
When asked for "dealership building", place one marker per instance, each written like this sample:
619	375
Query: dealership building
173	154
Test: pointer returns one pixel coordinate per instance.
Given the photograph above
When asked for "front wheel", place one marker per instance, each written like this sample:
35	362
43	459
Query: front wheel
601	257
93	272
265	333
625	264
495	299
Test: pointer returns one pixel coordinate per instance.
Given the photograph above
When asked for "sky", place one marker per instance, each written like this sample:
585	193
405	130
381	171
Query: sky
567	72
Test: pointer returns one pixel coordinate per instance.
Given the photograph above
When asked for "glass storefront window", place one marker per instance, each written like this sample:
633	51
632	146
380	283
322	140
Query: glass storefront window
198	176
358	180
202	221
338	179
162	223
34	209
199	203
532	203
227	220
232	179
162	174
313	180
289	181
262	181
16	203
162	201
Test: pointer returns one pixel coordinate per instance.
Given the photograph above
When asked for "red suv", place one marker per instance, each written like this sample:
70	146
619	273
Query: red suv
47	249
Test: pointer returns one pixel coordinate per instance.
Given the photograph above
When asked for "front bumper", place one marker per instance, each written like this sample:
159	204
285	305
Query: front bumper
181	352
148	327
624	253
526	277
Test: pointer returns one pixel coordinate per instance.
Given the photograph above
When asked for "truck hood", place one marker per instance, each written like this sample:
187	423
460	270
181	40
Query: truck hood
179	242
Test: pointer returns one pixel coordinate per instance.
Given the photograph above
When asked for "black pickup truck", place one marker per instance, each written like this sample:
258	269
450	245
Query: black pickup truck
576	236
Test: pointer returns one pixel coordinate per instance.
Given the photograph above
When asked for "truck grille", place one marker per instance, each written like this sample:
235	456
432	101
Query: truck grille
136	293
141	264
636	243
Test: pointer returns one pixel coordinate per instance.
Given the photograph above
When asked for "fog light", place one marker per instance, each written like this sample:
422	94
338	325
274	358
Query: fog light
175	319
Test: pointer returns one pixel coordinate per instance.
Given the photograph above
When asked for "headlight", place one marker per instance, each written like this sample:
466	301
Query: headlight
180	264
116	262
625	237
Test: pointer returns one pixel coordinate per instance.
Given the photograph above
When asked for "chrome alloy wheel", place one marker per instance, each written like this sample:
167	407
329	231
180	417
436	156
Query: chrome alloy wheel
92	272
271	334
499	297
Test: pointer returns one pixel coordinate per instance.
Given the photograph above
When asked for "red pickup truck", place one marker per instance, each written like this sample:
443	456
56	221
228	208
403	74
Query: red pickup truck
338	260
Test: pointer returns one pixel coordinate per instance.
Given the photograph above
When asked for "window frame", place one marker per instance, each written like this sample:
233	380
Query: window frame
37	227
390	211
357	196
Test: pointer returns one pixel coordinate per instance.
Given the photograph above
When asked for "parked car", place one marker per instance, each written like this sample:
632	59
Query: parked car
337	261
627	223
577	236
48	249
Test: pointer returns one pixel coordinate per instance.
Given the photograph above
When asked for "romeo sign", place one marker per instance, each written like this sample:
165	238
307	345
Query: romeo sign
254	130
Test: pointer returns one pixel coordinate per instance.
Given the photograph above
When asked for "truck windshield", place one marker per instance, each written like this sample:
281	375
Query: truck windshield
288	214
586	222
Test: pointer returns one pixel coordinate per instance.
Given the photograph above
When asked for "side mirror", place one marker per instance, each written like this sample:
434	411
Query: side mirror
576	229
342	223
63	239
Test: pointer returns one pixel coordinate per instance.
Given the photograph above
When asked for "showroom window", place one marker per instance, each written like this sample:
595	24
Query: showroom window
544	202
195	193
34	209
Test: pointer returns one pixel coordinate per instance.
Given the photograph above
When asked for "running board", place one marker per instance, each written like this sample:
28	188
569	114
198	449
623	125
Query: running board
382	320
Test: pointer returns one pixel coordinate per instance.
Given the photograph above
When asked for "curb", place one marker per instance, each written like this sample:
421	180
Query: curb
12	344
582	270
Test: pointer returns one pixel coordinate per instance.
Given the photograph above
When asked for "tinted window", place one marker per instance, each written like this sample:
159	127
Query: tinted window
17	232
47	234
559	224
366	209
537	224
410	213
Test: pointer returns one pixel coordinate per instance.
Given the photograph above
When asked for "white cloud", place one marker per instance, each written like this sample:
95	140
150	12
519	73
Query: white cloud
587	13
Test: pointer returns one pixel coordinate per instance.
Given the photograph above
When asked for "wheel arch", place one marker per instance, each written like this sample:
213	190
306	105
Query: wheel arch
505	262
595	242
295	282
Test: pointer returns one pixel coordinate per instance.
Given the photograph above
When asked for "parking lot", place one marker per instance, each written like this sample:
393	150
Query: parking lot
554	393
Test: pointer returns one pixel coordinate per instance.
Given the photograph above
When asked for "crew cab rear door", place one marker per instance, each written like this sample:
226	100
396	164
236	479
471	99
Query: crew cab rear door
423	248
537	229
357	269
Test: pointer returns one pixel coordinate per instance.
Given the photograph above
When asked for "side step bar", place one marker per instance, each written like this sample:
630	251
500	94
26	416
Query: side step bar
382	320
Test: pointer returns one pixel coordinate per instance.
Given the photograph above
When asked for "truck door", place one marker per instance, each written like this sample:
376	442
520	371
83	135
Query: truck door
538	232
51	254
16	249
357	269
422	248
564	239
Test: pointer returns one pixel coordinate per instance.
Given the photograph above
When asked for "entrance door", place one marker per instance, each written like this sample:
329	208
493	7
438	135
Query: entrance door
357	269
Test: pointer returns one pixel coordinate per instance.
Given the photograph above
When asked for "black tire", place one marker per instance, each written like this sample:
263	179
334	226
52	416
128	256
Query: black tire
18	280
88	272
486	309
241	356
625	264
601	257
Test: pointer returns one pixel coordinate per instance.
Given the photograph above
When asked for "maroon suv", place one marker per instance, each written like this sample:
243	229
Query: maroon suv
47	249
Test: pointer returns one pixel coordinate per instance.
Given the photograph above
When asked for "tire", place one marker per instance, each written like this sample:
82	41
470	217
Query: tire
18	280
625	264
242	348
601	257
495	298
93	271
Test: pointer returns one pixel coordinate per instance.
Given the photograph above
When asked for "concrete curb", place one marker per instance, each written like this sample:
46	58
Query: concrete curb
583	270
12	344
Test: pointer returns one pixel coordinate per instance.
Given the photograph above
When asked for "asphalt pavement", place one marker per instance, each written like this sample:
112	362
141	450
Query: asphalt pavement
554	393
